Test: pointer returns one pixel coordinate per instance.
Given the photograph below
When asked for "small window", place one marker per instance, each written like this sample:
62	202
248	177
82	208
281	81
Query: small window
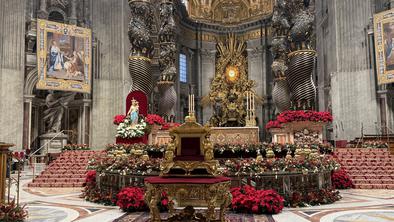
182	68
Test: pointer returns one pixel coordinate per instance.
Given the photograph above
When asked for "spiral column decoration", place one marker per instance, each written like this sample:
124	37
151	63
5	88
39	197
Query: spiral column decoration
302	56
281	95
294	55
167	60
142	47
300	80
280	91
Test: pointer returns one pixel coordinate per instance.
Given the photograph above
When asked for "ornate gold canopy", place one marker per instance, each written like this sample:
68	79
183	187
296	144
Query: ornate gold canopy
229	11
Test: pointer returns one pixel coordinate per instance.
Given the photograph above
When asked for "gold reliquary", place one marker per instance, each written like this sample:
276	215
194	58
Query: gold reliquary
190	152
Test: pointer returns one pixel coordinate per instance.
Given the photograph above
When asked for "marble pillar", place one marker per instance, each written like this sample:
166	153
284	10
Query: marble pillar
73	14
12	68
111	81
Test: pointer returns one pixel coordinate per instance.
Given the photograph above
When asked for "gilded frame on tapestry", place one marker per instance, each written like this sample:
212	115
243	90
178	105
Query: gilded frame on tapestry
64	57
384	46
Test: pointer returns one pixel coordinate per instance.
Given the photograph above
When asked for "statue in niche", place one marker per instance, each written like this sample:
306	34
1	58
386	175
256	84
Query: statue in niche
56	103
133	113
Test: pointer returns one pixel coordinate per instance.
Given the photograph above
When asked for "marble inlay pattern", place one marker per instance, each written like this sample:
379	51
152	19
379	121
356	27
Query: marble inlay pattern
376	216
51	214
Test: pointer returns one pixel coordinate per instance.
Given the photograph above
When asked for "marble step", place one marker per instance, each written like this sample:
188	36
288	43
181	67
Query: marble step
374	186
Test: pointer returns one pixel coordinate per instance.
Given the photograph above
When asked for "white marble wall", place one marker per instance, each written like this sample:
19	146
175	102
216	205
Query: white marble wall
345	71
12	45
257	72
354	103
207	74
110	22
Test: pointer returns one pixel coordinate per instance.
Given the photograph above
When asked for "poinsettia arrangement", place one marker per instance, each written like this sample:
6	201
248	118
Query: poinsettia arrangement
312	198
247	199
273	124
118	119
12	212
154	119
341	180
168	125
131	199
91	192
304	115
299	115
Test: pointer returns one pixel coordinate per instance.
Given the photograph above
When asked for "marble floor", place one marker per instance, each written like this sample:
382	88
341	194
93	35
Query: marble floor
65	205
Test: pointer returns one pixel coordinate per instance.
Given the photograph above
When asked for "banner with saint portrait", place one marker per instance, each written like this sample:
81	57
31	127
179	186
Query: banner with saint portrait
64	55
384	45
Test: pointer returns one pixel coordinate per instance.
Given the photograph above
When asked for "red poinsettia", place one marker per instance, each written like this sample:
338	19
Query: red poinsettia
118	119
90	177
304	115
315	197
273	124
341	180
154	119
167	125
247	199
131	199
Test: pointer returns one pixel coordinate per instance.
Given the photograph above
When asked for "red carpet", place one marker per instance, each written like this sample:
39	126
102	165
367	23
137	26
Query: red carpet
68	170
368	168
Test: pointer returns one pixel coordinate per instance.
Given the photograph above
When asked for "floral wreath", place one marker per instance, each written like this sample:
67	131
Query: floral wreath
125	130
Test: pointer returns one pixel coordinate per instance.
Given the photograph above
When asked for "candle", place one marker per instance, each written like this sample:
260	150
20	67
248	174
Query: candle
253	102
247	101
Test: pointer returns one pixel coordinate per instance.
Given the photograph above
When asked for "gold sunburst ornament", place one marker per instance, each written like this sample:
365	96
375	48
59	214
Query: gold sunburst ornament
232	74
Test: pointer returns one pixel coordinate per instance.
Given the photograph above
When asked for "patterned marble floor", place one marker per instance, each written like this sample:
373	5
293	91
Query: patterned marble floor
65	205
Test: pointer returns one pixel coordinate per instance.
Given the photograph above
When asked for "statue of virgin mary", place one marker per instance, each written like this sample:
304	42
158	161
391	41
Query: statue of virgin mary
133	112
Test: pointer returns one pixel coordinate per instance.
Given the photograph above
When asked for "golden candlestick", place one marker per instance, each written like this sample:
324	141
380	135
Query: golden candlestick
250	109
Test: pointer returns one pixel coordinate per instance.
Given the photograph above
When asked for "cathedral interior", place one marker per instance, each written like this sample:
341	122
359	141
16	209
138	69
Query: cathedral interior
203	100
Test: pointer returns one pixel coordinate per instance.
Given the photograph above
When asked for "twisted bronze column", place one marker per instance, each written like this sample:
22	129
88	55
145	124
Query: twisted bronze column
168	53
142	47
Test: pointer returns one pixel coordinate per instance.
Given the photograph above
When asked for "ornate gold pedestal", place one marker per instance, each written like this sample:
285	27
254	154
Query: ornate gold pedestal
189	194
3	168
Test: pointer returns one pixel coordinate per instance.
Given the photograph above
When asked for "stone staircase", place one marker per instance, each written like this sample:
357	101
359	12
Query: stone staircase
369	168
68	170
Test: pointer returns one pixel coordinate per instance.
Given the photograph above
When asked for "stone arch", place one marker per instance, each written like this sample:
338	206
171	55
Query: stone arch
59	10
31	82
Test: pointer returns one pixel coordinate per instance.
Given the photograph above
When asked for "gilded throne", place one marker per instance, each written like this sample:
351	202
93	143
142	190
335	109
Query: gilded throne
189	175
190	153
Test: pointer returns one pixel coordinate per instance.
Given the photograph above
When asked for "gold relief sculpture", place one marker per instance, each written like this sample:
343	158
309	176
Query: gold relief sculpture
230	85
201	195
229	12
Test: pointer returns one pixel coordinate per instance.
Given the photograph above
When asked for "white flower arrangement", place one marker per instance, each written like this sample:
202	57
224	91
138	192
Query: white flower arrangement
126	131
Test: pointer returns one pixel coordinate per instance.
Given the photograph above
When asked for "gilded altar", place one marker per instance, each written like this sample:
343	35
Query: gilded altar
232	95
219	135
235	135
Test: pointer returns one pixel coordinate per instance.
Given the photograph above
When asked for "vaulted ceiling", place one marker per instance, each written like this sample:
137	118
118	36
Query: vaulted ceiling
229	12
